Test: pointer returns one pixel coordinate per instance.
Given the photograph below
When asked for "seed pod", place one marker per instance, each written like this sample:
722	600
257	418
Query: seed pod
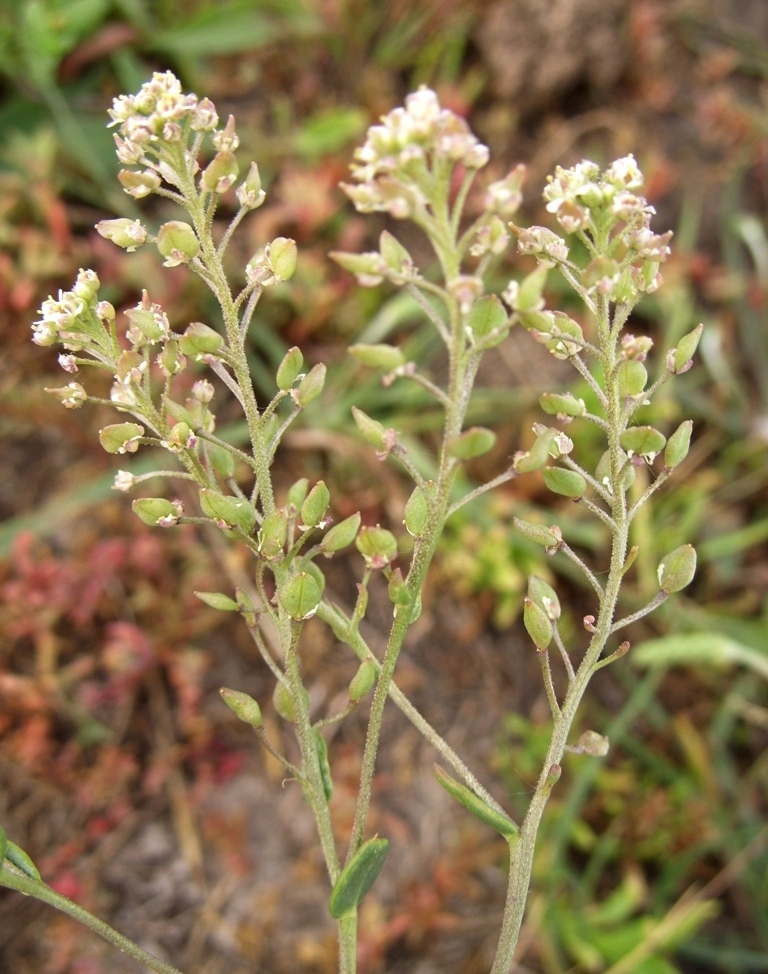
538	533
538	454
157	511
227	511
311	385
297	492
643	441
416	513
562	404
315	505
177	242
242	706
217	600
340	535
473	442
538	624
397	259
372	431
377	545
677	569
544	596
357	877
378	356
300	596
198	340
486	317
289	368
678	445
682	356
363	681
568	483
632	377
121	437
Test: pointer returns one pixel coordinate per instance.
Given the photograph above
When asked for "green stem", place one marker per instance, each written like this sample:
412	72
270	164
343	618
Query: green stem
15	879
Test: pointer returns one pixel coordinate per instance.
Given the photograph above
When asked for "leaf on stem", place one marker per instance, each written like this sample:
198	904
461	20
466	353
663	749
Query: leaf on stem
475	804
357	877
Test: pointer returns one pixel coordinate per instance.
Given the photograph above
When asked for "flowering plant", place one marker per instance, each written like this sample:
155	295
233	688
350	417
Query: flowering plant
419	165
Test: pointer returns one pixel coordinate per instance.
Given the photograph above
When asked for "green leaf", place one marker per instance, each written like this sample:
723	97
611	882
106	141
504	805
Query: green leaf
357	877
20	859
475	804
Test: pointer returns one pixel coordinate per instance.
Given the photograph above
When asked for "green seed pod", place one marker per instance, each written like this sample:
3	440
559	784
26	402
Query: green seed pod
487	317
562	404
250	195
311	385
177	242
321	749
281	698
569	483
315	505
220	459
378	356
678	445
289	369
377	545
341	535
282	257
157	511
296	495
198	339
544	596
180	438
372	431
537	624
171	361
363	681
300	596
121	437
217	600
682	356
632	377
473	442
538	454
677	569
643	441
128	234
397	259
370	269
603	471
243	706
357	877
227	511
538	533
220	173
531	288
416	513
540	323
475	804
16	855
566	337
398	590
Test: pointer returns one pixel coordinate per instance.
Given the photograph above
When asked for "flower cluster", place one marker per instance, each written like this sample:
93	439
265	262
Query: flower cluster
158	113
77	321
400	151
584	198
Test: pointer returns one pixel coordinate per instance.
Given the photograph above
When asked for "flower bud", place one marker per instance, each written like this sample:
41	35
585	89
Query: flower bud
289	369
568	483
121	437
128	234
594	744
249	194
678	445
504	197
341	535
157	511
220	173
282	257
538	625
681	358
300	596
677	569
177	242
242	706
473	442
372	431
362	682
72	395
377	546
227	511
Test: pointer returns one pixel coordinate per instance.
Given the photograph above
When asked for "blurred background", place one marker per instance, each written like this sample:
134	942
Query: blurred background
121	772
